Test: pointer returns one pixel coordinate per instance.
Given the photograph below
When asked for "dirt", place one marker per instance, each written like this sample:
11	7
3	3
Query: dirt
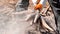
11	21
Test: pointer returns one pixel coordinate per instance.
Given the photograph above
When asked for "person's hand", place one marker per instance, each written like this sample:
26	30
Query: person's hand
38	6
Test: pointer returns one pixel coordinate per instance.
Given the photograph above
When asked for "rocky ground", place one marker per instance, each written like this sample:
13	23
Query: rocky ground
11	21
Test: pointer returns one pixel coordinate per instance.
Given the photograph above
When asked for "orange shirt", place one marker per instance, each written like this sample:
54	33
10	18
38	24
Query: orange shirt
39	4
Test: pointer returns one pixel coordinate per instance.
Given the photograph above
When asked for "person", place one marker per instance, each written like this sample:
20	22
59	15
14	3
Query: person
40	5
55	5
